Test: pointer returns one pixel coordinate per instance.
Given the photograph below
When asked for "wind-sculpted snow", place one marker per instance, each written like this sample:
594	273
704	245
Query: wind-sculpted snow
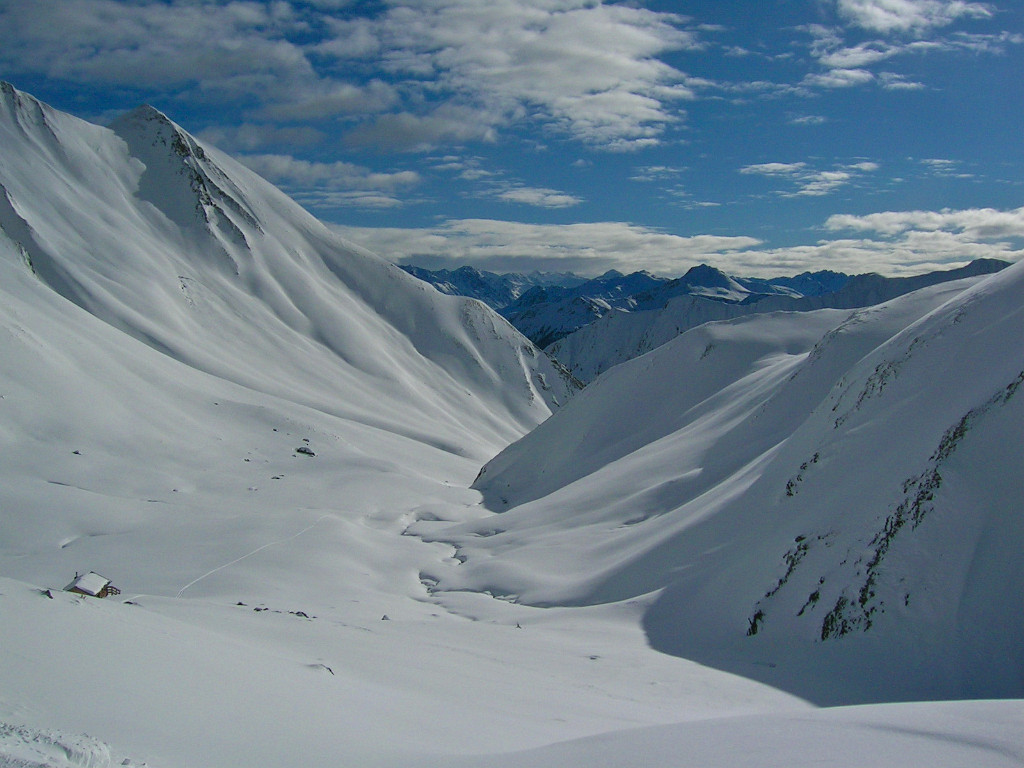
828	500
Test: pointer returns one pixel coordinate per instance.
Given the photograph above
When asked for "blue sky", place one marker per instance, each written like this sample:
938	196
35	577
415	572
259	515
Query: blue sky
764	138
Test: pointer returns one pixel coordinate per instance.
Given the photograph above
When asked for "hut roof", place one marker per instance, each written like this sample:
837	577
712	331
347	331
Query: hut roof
91	583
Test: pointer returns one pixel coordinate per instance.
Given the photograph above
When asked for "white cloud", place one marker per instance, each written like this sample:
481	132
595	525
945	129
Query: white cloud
774	169
811	182
823	182
858	56
905	243
241	52
971	224
948	169
838	78
406	131
891	81
913	16
909	27
328	200
318	99
445	70
251	136
589	69
332	185
505	246
808	120
651	173
536	196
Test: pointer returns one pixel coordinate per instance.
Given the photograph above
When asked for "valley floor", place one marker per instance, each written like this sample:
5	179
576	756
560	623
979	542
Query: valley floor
292	653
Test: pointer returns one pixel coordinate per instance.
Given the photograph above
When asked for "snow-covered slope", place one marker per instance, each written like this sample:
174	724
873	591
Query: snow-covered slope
673	309
829	500
184	249
240	420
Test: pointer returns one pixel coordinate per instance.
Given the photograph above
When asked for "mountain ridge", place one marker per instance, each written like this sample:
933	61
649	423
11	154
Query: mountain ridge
188	251
620	336
816	498
551	311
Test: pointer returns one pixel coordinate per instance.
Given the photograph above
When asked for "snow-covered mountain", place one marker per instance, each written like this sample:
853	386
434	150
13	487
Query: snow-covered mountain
547	314
828	501
187	251
655	319
264	435
548	308
494	290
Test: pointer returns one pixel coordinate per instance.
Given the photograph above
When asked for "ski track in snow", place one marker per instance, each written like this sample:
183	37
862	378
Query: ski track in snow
250	554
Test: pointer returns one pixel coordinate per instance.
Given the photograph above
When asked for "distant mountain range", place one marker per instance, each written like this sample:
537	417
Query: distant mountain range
548	306
559	312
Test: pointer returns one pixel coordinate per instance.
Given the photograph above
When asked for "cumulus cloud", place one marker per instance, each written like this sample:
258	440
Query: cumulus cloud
902	244
811	182
506	246
591	70
945	168
838	78
251	136
651	173
237	52
537	196
422	72
140	43
774	169
406	131
913	16
891	81
332	185
905	27
974	224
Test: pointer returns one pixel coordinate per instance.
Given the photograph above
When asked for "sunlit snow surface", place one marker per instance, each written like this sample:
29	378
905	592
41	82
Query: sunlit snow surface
173	331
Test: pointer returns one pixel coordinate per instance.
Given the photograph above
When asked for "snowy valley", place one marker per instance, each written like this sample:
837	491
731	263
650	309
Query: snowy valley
782	538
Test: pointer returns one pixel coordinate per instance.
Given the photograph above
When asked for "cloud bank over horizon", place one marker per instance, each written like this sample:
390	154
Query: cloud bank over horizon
906	242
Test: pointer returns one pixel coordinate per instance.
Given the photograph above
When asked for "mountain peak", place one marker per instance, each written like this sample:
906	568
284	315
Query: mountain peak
146	120
148	112
705	273
22	107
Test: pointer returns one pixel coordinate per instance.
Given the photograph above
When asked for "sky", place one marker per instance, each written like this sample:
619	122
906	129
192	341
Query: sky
764	138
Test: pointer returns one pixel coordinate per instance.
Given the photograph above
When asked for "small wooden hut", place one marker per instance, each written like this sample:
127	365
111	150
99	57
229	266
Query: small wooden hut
92	585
